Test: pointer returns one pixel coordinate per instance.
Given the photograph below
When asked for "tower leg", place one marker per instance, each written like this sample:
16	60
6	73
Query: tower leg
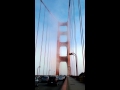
57	69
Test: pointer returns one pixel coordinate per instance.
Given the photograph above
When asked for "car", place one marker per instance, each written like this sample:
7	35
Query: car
36	82
44	79
53	80
38	79
64	77
61	78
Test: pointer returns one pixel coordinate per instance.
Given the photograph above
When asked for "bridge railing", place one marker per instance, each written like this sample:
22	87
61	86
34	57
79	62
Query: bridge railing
79	78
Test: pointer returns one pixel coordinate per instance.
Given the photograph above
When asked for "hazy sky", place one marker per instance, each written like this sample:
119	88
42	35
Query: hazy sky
59	8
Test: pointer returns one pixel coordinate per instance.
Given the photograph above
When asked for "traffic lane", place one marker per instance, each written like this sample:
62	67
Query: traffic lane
44	86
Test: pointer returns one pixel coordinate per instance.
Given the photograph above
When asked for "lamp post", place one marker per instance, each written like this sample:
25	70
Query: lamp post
37	69
49	71
54	72
76	62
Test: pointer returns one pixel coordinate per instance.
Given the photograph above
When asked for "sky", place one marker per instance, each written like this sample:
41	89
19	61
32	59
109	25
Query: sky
59	9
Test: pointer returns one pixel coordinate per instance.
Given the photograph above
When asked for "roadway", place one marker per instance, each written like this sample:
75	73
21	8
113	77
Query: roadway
44	86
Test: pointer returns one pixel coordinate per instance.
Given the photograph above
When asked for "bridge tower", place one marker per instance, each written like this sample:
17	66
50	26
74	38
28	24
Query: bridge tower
66	44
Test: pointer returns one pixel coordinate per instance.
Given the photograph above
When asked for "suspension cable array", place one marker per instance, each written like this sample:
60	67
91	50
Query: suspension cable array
42	39
48	52
37	29
49	48
45	52
69	20
49	60
75	34
72	34
49	12
73	30
81	32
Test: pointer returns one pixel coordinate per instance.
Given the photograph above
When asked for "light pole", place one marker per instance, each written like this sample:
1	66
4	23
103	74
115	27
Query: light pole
76	62
54	72
49	71
37	69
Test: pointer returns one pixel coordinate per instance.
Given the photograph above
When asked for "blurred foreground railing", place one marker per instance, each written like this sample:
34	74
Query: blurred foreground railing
80	78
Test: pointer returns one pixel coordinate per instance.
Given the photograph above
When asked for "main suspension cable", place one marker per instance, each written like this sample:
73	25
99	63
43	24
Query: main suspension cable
49	11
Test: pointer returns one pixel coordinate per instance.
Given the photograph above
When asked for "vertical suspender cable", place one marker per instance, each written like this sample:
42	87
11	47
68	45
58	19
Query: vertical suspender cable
75	35
50	60
71	33
73	58
72	38
45	52
81	30
37	34
37	29
48	51
42	39
69	20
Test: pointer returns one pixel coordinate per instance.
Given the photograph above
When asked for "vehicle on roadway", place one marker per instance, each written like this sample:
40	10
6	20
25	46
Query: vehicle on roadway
36	82
44	79
64	77
61	78
53	80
